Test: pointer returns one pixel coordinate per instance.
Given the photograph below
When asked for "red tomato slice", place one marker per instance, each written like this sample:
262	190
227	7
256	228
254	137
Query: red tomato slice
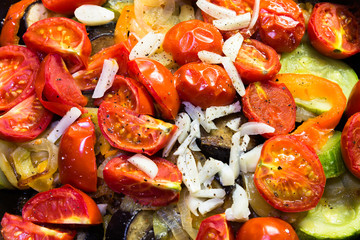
130	94
256	61
14	227
77	161
353	105
68	6
63	36
123	177
18	67
282	24
133	132
271	103
159	82
334	31
87	79
266	228
289	174
350	144
56	88
25	121
204	85
215	227
65	205
186	39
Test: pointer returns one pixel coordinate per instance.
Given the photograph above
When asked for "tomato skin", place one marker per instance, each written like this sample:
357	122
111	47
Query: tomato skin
68	6
18	67
130	94
123	177
72	207
87	79
257	62
215	227
334	31
63	36
282	24
289	174
25	121
159	82
269	228
350	139
55	87
77	161
270	103
204	85
186	39
131	131
14	227
353	105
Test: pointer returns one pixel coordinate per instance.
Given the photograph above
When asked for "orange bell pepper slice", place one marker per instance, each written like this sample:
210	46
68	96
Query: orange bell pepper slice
122	28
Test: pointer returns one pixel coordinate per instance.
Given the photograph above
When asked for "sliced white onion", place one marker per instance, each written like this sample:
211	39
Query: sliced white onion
102	208
173	221
235	23
226	176
185	214
187	13
255	14
69	118
234	75
194	133
167	10
93	15
210	205
171	143
212	113
210	168
248	161
235	154
232	46
244	142
193	203
183	121
255	128
193	146
210	193
147	45
107	77
145	164
214	10
138	25
210	57
197	114
234	124
239	211
187	166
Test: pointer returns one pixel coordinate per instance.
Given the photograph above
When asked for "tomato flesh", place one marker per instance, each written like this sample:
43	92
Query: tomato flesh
133	132
18	67
64	205
334	31
215	227
123	177
77	161
289	175
14	227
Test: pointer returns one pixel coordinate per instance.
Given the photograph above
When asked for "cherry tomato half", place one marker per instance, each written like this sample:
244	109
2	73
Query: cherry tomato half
130	94
282	24
334	31
87	79
25	121
123	177
270	103
186	39
63	36
18	68
289	174
56	88
64	205
77	161
256	61
131	131
268	228
159	82
14	227
353	105
204	85
350	144
215	227
68	6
